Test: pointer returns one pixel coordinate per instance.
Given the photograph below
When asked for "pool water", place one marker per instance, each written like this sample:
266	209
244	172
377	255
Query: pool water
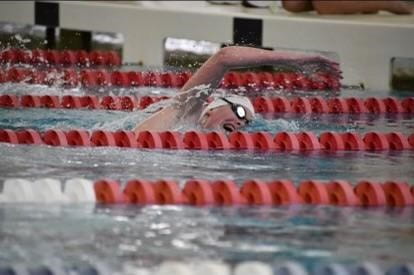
137	236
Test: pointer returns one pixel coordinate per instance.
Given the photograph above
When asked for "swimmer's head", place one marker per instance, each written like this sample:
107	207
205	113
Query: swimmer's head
228	113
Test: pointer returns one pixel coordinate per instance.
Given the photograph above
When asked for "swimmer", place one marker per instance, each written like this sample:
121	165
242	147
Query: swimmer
230	112
324	7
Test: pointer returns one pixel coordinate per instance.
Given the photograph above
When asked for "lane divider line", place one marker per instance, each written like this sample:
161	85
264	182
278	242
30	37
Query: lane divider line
219	267
194	140
56	57
120	103
252	81
264	105
202	192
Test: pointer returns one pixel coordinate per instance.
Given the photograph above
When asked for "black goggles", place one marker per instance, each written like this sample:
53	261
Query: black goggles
237	109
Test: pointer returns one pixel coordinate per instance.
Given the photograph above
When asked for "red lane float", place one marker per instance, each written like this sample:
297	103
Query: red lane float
102	138
283	192
319	105
199	192
125	139
301	105
128	103
111	103
281	105
108	192
263	105
411	141
398	193
120	79
55	138
124	103
256	192
341	193
332	141
90	78
11	101
50	101
251	80
308	141
314	192
338	105
78	138
139	192
375	105
356	105
375	141
172	140
149	140
218	141
168	192
370	193
226	192
169	80
241	140
193	140
353	141
266	80
263	141
55	57
90	102
393	105
135	79
232	80
9	136
397	141
286	141
29	136
32	101
408	105
153	79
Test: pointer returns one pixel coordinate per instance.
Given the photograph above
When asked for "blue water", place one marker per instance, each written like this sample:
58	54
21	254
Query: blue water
145	236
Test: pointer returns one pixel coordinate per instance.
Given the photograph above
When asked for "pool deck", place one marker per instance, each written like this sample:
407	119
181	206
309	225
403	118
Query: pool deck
365	44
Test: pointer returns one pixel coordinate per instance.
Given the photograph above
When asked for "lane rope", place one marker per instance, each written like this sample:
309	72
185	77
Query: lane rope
252	81
57	57
215	267
264	105
194	140
201	192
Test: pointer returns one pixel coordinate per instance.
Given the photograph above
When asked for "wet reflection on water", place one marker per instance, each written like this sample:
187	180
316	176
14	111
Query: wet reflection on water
146	236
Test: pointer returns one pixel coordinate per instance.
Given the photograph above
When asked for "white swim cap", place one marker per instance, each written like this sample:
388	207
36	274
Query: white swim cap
236	99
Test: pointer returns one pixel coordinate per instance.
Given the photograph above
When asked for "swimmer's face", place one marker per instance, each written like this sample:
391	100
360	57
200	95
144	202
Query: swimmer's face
223	118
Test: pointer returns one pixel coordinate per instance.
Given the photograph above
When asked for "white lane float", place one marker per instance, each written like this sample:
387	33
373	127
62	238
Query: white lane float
48	190
253	267
174	268
366	268
330	269
17	190
79	190
211	268
403	269
290	268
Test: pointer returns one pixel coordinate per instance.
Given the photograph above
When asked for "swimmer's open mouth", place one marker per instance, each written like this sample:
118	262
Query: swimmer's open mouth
228	127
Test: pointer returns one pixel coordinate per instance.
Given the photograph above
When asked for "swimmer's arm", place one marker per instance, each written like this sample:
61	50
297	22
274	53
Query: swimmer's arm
160	121
351	7
213	70
297	5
